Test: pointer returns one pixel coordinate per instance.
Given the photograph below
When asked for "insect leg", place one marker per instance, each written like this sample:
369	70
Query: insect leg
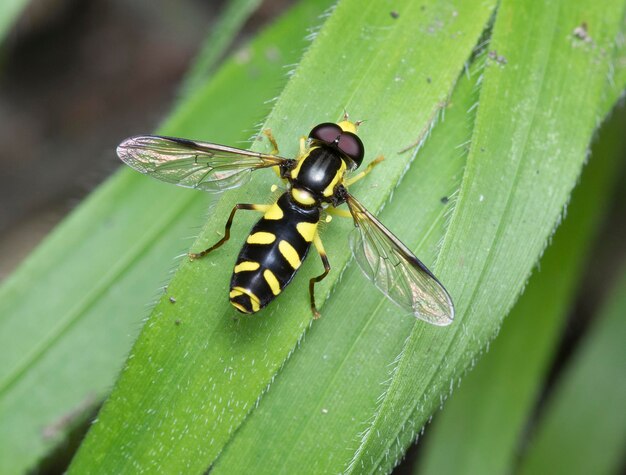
302	142
229	223
320	249
358	176
270	137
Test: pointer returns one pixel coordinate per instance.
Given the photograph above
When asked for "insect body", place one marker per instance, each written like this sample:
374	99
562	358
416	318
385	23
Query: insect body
280	240
272	254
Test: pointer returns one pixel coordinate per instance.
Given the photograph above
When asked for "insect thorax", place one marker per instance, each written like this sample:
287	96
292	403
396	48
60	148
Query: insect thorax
319	172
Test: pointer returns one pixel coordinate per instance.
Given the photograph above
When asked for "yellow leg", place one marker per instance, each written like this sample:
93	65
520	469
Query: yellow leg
229	223
303	140
270	137
320	249
272	140
368	169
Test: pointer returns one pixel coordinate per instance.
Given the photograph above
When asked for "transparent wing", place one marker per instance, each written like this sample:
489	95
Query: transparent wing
395	270
206	166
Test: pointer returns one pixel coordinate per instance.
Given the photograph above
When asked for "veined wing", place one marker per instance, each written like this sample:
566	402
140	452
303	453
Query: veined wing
395	270
206	166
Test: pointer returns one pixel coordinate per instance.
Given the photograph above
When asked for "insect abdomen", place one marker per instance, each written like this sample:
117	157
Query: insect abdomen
273	252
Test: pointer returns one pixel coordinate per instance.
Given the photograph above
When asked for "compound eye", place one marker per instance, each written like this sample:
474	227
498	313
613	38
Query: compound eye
326	132
352	146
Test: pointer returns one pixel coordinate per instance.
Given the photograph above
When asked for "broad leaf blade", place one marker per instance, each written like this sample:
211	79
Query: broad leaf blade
483	424
528	146
315	421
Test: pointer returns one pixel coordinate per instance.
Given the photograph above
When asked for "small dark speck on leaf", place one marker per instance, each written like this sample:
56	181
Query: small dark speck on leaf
498	58
445	199
429	80
482	149
423	7
394	14
172	300
177	322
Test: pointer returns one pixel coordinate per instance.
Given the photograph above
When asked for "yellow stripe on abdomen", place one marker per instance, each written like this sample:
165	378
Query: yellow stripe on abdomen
272	281
246	266
306	230
261	237
274	213
254	300
239	307
290	254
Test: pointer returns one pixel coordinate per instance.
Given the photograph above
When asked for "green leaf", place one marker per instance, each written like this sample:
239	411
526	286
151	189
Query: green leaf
484	421
583	429
197	381
315	421
528	146
70	313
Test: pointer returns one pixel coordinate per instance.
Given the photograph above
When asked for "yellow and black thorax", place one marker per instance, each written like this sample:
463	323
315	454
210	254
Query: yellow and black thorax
318	175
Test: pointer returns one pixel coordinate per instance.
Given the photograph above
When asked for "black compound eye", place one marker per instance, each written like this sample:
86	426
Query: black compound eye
351	145
326	132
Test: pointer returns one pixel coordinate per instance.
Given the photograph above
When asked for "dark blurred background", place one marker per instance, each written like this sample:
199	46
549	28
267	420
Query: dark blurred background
76	77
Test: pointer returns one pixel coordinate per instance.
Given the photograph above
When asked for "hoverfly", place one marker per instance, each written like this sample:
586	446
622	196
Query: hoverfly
317	183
